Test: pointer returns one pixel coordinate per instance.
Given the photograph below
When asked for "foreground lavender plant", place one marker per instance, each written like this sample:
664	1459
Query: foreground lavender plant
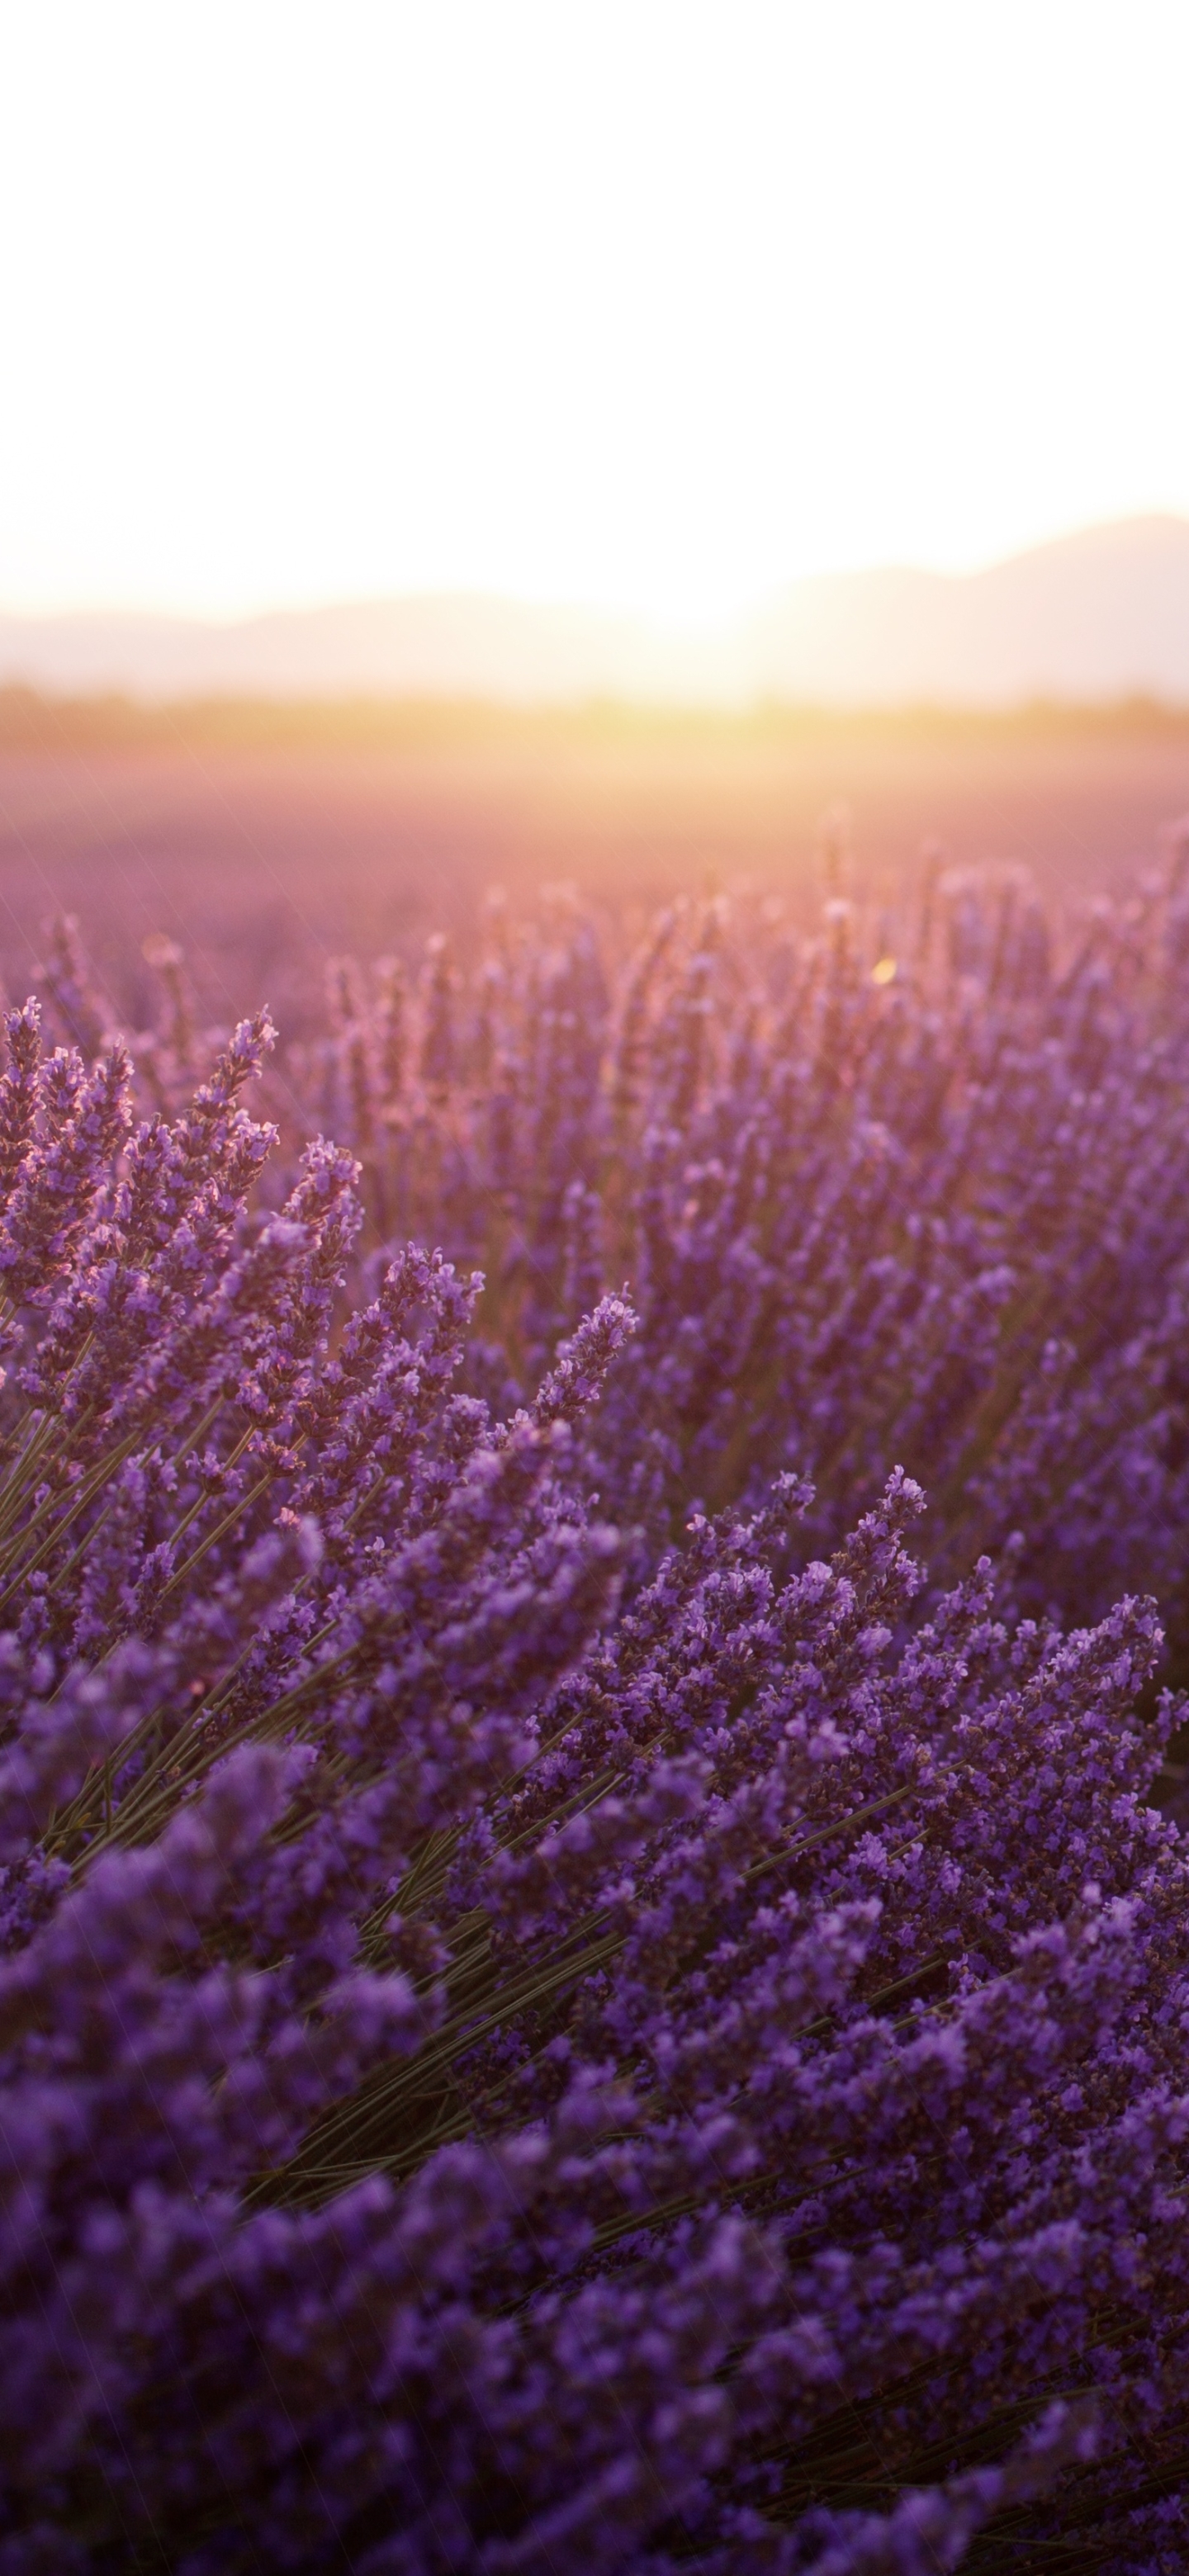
533	2040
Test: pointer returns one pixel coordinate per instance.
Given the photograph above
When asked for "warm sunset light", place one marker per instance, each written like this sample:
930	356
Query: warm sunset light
657	302
594	1267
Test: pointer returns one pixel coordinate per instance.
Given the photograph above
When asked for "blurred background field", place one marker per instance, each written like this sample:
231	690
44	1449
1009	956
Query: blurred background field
264	836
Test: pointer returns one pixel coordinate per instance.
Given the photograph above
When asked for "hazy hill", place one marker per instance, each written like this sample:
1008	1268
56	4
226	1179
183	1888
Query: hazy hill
1101	614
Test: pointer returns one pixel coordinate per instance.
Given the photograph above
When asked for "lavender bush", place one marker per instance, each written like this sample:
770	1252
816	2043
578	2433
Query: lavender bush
914	1189
583	1983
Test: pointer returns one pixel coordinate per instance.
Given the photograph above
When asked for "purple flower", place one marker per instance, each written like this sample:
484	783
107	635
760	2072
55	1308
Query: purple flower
564	1998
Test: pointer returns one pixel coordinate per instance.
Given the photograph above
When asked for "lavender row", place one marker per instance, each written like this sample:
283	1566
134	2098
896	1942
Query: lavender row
552	2014
913	1188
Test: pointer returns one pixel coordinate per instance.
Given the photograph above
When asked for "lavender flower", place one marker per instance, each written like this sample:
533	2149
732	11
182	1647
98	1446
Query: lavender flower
595	1981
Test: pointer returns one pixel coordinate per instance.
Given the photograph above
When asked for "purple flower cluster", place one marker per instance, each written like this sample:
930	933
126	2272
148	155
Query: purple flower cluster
564	2002
913	1187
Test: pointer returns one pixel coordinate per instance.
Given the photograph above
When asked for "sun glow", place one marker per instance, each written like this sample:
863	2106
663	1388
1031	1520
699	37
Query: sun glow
654	304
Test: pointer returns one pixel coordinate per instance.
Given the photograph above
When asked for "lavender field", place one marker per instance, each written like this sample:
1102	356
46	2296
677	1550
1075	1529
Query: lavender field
265	840
594	1534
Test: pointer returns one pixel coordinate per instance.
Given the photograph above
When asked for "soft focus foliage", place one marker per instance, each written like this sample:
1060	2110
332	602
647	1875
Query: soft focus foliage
914	1189
584	1983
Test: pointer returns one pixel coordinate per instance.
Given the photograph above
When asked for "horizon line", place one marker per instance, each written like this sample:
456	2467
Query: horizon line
49	719
561	602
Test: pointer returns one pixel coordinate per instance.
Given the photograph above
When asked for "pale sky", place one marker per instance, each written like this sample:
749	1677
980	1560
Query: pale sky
657	302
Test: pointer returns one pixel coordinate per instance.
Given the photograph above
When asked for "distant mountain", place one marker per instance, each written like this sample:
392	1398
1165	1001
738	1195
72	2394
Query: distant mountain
1098	615
440	645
